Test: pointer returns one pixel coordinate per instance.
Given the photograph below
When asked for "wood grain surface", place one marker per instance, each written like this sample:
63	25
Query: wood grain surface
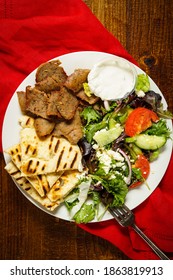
144	28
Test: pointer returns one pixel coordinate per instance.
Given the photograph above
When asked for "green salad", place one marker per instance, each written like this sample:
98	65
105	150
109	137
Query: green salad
120	140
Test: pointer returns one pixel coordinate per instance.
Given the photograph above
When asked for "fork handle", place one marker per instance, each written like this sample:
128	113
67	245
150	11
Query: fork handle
161	255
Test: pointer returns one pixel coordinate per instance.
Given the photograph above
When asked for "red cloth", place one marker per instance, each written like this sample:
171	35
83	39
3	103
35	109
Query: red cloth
32	34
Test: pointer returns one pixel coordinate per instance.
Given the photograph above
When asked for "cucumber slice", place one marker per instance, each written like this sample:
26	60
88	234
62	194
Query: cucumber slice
149	142
104	137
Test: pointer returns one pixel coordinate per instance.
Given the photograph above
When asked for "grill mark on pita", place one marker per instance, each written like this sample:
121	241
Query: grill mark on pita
27	149
34	152
29	164
44	189
15	173
64	165
56	146
74	159
19	157
70	149
16	151
43	185
60	157
37	164
50	145
19	178
43	167
49	206
27	189
51	140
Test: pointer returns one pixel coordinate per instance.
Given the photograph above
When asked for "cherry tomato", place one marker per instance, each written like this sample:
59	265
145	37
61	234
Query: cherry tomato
139	120
143	164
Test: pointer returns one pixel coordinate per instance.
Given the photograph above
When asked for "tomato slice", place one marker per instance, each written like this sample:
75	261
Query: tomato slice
143	164
139	120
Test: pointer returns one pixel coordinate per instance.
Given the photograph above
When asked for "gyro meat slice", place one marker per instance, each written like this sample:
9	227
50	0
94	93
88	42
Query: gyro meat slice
71	130
36	102
48	84
67	103
22	100
43	127
89	99
46	69
52	109
49	69
75	81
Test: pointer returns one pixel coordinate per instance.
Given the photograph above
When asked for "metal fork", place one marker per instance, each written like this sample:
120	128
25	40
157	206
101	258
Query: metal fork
125	218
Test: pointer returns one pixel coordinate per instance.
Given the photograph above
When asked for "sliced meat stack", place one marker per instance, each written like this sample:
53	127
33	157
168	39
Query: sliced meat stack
56	100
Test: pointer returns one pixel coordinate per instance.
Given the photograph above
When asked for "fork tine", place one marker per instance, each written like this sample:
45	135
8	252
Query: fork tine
122	210
122	214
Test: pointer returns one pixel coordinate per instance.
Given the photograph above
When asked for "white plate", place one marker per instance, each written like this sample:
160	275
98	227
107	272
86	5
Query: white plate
71	61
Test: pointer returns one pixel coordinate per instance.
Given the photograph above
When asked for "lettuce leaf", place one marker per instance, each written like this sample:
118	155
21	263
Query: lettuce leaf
114	186
142	83
90	115
160	129
85	214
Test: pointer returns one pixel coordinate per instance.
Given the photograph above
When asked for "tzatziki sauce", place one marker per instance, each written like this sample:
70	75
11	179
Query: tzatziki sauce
112	79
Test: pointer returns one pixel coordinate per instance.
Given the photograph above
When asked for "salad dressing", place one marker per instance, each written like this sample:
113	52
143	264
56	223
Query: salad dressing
112	79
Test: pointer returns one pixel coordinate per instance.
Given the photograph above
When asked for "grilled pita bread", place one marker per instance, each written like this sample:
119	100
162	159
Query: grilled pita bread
25	185
49	155
53	177
63	186
15	153
26	121
45	168
66	183
42	183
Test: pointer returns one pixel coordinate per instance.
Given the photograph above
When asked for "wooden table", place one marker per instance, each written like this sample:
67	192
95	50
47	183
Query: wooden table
145	29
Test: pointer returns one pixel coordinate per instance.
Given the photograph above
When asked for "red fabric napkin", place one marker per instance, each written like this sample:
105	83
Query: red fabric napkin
32	34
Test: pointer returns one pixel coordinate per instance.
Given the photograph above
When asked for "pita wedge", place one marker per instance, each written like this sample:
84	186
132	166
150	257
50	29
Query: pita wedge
63	186
25	185
42	183
48	155
15	153
66	183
